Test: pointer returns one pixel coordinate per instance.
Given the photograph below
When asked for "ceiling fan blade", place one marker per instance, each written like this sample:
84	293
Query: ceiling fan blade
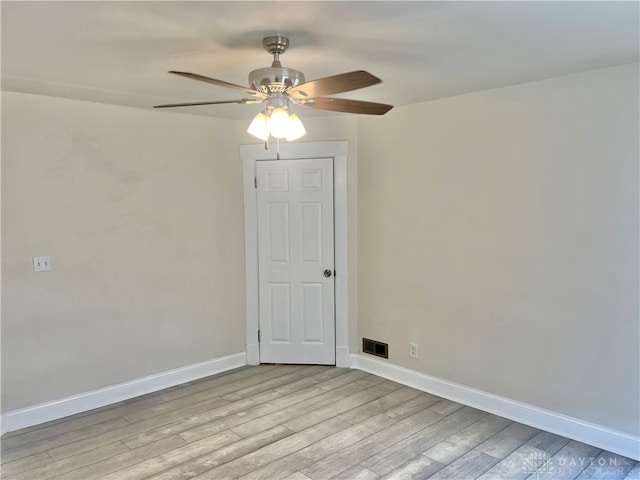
222	83
218	102
347	106
343	82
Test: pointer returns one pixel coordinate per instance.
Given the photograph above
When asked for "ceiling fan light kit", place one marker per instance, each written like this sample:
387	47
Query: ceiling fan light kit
279	87
279	124
276	121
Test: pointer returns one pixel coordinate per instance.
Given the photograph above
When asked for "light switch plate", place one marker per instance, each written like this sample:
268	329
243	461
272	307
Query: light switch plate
41	264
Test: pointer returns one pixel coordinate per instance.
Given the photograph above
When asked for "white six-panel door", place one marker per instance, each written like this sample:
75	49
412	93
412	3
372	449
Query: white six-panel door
296	261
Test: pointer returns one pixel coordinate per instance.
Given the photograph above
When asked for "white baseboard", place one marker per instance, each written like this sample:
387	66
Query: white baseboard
614	441
45	412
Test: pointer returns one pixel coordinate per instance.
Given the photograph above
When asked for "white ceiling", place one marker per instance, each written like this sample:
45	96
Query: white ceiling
119	52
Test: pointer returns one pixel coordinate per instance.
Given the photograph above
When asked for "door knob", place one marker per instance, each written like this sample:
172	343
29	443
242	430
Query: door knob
327	273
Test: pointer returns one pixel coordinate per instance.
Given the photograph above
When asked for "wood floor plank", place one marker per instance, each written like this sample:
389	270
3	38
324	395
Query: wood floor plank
352	376
518	465
356	472
215	381
228	453
427	436
266	403
199	424
123	460
460	443
321	377
231	390
290	402
295	410
254	460
80	435
569	462
272	384
227	385
175	457
298	476
634	474
508	440
310	418
370	381
380	405
173	405
520	431
281	468
607	466
418	467
446	407
23	464
548	442
469	466
61	467
413	406
371	446
69	449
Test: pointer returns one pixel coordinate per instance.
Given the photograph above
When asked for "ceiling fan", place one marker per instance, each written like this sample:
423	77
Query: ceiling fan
278	87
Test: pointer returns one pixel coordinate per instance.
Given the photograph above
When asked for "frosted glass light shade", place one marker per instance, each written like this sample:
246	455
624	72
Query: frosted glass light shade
279	123
296	129
259	128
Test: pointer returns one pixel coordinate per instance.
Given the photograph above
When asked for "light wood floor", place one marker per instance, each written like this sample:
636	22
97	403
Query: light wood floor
297	422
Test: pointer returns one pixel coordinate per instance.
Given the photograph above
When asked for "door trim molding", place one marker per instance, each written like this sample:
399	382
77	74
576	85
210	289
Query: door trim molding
250	154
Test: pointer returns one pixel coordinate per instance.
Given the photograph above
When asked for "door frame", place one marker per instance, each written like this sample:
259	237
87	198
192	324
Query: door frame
250	154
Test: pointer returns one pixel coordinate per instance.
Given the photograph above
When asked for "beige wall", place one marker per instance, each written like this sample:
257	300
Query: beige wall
499	231
141	212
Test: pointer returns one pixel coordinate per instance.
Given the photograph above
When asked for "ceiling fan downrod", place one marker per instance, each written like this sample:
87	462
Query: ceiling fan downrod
276	45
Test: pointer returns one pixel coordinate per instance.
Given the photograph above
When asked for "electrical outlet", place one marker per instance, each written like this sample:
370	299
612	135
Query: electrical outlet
42	264
413	350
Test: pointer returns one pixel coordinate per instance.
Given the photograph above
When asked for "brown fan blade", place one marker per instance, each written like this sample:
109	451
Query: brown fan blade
348	106
222	83
343	82
219	102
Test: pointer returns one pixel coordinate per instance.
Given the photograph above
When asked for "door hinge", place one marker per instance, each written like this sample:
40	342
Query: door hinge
255	182
258	336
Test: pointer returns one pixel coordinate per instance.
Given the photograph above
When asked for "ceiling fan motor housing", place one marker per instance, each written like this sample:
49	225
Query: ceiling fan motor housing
275	79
